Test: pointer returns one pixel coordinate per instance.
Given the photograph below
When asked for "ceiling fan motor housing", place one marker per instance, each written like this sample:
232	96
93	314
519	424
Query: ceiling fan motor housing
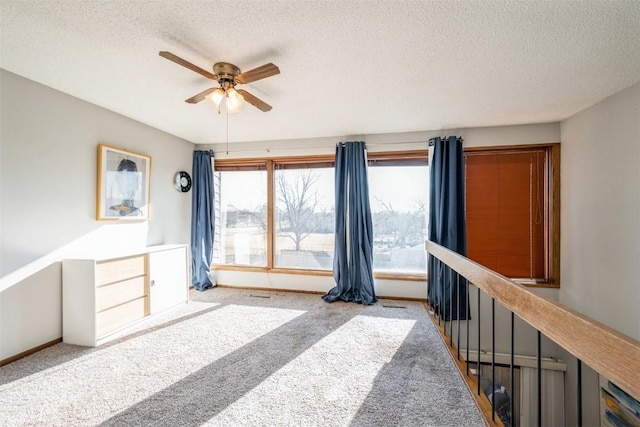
226	73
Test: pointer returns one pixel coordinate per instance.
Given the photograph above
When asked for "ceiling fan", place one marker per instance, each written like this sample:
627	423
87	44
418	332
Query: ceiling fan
228	76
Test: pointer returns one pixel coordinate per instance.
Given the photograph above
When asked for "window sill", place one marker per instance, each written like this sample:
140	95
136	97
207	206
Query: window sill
252	269
307	272
531	284
411	277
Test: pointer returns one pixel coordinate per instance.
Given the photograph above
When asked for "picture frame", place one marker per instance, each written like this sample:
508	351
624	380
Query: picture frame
124	183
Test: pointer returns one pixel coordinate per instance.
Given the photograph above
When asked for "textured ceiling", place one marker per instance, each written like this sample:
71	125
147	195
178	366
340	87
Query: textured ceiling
347	67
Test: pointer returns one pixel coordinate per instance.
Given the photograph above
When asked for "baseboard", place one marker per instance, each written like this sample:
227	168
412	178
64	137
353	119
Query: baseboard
301	291
422	300
30	352
257	288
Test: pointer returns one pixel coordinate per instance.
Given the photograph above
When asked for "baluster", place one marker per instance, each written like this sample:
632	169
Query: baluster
478	366
458	313
441	305
436	267
539	366
511	364
468	309
579	393
450	307
493	359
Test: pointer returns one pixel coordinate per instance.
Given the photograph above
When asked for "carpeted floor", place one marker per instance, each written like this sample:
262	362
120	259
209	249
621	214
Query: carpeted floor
238	357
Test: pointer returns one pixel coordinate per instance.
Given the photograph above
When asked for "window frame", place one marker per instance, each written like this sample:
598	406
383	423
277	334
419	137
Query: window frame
271	164
233	166
553	198
292	164
397	158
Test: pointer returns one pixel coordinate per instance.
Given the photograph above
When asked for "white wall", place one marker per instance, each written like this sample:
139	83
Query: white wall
48	174
600	219
600	216
473	137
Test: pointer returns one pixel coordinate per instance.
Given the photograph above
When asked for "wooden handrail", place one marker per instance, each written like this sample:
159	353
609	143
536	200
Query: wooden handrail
610	353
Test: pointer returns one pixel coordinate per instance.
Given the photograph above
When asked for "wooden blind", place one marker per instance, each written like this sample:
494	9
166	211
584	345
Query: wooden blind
506	211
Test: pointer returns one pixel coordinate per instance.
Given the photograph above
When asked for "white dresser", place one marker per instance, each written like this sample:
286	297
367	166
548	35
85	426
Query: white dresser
101	296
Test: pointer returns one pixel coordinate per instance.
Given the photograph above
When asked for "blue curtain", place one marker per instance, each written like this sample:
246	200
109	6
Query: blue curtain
353	255
202	220
446	290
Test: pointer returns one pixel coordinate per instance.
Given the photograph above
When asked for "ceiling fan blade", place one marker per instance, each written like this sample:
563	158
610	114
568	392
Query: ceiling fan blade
171	57
253	100
199	97
264	71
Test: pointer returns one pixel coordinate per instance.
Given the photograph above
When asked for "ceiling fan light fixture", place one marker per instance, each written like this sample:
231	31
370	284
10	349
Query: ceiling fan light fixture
215	97
234	100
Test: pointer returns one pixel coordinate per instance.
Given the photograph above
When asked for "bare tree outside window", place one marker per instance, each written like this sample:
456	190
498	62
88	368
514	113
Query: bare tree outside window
402	229
398	197
297	201
304	215
256	215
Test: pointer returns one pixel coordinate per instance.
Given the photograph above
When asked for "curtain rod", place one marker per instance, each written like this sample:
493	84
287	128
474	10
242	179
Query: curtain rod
444	138
306	147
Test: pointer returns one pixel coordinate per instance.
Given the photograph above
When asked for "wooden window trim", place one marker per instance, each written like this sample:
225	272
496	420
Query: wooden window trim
553	257
270	165
399	155
381	275
270	216
235	166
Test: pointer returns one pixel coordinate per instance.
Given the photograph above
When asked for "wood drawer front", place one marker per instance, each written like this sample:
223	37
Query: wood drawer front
120	269
118	293
113	318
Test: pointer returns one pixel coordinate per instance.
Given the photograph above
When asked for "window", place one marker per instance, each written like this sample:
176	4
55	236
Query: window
304	215
510	211
241	215
280	213
398	192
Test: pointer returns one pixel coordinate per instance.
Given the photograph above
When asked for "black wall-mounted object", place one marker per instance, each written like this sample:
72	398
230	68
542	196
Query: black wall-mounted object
182	181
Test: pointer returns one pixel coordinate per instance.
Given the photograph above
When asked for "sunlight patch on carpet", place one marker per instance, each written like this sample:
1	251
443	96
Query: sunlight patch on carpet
338	372
64	355
135	369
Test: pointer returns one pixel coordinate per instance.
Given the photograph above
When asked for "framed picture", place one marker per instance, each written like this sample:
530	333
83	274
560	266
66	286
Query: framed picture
617	408
123	185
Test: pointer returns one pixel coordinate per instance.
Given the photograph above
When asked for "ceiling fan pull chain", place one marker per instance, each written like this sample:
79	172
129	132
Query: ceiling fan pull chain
227	109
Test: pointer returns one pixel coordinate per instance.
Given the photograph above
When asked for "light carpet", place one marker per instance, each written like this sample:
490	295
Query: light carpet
238	357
